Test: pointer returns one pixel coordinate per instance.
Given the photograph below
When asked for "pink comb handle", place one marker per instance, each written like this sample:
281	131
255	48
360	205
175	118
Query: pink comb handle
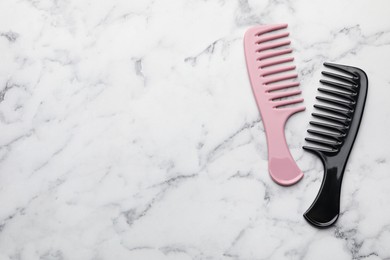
262	71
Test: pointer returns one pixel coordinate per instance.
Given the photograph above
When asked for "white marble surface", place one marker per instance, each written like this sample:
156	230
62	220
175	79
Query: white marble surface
129	131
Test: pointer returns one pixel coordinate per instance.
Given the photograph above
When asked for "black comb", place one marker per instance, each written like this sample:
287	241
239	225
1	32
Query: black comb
339	114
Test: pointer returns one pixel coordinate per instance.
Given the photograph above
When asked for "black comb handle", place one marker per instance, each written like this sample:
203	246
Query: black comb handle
325	209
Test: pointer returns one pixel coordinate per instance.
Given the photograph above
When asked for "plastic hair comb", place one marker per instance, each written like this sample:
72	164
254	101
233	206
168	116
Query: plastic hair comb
273	87
340	118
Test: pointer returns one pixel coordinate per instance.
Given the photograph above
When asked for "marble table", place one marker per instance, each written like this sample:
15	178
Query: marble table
129	131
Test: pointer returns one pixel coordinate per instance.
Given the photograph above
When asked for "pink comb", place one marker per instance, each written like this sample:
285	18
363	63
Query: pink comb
266	69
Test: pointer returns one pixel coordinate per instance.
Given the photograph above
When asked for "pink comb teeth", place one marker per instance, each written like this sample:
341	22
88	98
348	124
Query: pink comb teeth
268	74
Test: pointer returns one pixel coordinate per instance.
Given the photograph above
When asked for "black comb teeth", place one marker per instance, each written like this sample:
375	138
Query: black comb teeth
334	131
337	109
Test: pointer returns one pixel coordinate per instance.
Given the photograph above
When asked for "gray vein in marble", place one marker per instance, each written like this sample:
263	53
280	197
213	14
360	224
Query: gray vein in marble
10	36
221	146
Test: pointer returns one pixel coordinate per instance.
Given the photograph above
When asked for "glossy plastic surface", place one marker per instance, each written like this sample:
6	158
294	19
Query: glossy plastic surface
340	118
270	72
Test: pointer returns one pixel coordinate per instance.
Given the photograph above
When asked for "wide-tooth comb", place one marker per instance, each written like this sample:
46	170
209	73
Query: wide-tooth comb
272	84
340	116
